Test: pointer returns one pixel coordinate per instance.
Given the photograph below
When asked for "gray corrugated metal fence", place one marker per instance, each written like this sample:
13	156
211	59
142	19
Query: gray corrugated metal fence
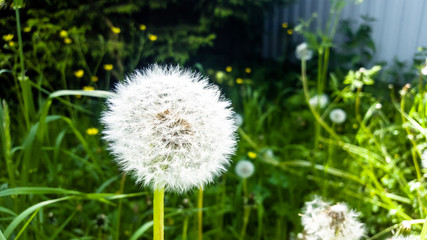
400	26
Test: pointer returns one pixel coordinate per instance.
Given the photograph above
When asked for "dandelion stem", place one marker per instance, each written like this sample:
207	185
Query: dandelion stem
158	215
200	214
185	228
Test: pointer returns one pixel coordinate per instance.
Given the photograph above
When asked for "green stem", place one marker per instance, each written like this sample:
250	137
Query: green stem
200	214
185	228
158	214
246	215
119	210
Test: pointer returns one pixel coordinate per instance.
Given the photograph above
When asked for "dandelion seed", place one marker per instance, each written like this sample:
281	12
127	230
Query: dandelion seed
92	131
88	88
152	37
245	169
94	79
27	29
338	116
321	101
68	40
170	128
115	30
8	37
228	69
248	70
239	119
79	73
239	80
252	155
108	67
303	52
322	221
63	34
142	27
424	70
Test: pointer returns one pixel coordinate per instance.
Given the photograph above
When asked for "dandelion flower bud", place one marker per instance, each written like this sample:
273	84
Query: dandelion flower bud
303	52
245	169
338	116
170	128
337	222
320	101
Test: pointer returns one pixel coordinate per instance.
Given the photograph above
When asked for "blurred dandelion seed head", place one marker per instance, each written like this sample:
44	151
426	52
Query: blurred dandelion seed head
303	52
170	128
338	116
245	169
320	101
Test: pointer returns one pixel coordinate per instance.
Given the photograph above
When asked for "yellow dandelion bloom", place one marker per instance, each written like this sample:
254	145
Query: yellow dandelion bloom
27	29
8	37
63	33
248	70
285	25
78	96
94	79
88	88
92	131
152	37
108	67
115	30
11	43
79	73
228	69
252	155
290	31
239	80
142	27
67	40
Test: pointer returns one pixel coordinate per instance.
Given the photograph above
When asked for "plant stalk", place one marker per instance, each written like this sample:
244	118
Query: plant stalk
158	214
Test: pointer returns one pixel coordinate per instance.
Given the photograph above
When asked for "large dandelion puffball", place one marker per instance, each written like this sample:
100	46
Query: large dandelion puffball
170	128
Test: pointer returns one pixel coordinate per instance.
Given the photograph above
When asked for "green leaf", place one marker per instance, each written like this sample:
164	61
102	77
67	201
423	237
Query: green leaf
94	93
36	190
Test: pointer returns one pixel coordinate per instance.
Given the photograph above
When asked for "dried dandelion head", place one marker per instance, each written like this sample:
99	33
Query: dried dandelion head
322	221
170	128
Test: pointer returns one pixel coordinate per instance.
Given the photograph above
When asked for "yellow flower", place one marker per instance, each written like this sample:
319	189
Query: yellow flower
115	30
152	37
8	37
92	131
78	96
11	43
239	80
252	155
108	67
67	40
248	70
63	34
290	31
27	29
285	25
94	79
228	69
88	88
142	27
79	73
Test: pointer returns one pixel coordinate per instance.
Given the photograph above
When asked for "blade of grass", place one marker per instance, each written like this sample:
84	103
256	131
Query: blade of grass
26	224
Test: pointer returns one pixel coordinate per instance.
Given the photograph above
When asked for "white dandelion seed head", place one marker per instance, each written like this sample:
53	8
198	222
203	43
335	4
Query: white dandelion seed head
239	119
424	159
424	70
245	169
322	221
320	101
303	52
338	116
170	128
